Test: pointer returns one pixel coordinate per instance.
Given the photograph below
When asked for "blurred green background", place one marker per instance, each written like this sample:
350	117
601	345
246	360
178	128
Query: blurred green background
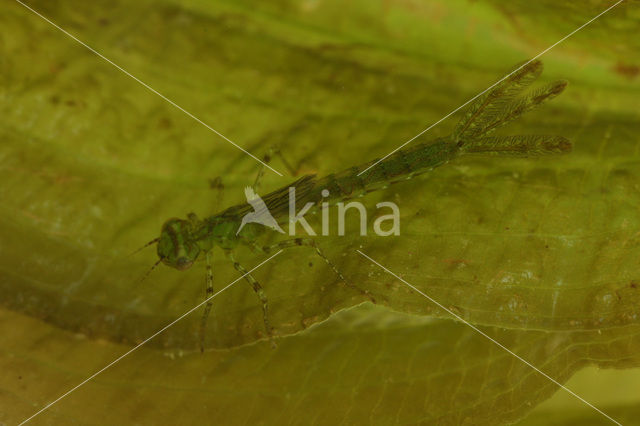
541	254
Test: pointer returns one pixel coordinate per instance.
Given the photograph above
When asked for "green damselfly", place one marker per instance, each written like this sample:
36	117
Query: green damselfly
182	241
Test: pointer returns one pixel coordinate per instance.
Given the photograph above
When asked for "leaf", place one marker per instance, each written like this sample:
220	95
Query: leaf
364	364
92	164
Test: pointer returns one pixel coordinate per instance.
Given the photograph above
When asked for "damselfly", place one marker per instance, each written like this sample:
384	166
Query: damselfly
182	241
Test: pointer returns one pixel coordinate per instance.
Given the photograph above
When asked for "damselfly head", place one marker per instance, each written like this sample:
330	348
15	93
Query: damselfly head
176	247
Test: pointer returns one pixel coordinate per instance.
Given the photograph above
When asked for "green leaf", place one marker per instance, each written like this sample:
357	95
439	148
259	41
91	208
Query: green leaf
363	364
542	252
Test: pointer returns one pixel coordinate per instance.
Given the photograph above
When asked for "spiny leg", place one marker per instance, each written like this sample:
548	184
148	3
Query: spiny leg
273	150
309	242
519	145
257	288
207	308
217	185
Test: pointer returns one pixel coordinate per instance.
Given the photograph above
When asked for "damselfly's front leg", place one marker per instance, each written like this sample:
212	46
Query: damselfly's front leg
273	151
217	185
257	288
207	308
309	242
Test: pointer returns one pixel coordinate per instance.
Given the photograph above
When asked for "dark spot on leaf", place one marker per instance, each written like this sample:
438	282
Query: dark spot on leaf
164	123
629	71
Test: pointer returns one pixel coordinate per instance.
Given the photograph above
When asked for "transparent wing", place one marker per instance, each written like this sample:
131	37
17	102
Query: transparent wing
490	106
519	145
520	106
277	202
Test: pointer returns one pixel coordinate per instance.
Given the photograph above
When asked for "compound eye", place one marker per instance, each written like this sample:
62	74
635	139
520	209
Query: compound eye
183	263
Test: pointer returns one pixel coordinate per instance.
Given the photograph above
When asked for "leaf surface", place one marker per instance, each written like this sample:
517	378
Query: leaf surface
542	252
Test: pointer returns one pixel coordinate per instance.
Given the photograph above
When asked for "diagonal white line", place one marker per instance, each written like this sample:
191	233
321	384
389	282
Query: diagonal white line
146	340
492	86
492	339
148	87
